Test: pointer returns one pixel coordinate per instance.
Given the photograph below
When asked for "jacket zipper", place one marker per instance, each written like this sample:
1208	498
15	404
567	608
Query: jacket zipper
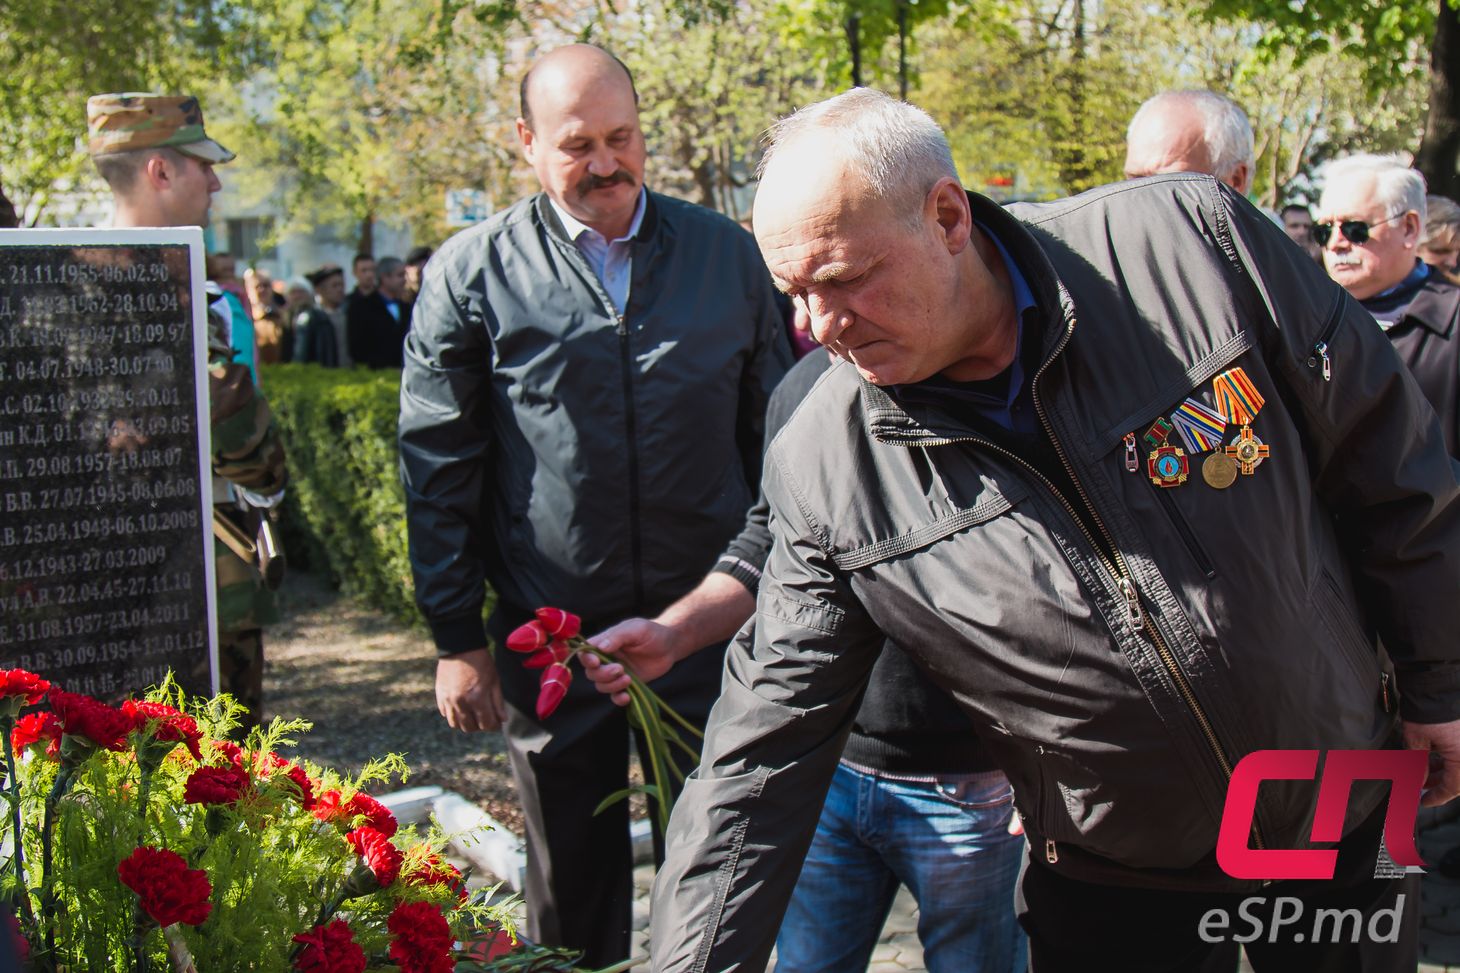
1193	545
631	432
1134	614
1318	358
1119	569
1124	579
631	423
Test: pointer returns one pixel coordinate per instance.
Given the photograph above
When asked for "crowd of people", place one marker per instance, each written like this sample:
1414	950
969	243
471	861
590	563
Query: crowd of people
1064	510
312	319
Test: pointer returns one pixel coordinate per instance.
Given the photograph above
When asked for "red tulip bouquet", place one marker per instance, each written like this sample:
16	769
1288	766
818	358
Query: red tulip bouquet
142	839
550	642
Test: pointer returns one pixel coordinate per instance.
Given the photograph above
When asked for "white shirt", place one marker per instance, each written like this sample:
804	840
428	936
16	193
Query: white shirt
610	260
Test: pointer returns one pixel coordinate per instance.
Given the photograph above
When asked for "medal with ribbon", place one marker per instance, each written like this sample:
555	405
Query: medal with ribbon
1238	400
1201	427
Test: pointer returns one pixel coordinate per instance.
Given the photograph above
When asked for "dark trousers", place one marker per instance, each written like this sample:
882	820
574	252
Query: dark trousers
579	881
1078	926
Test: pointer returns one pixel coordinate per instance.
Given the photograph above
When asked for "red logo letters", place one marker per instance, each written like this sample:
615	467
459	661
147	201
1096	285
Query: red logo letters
1404	769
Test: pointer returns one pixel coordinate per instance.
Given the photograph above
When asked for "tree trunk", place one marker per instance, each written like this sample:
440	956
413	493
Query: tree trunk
1439	153
902	49
366	243
854	41
8	218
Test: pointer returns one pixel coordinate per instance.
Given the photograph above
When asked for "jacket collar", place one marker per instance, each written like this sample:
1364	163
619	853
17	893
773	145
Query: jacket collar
548	217
1436	306
918	423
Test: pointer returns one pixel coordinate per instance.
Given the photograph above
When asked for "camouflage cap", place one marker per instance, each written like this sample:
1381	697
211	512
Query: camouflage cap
138	120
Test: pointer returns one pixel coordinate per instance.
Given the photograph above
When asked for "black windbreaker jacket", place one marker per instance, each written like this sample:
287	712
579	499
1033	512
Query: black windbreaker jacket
569	455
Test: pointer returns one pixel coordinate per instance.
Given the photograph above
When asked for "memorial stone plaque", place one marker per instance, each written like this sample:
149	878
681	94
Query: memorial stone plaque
106	571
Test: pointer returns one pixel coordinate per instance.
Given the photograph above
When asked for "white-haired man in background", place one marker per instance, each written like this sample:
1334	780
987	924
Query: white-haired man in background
1371	219
1191	131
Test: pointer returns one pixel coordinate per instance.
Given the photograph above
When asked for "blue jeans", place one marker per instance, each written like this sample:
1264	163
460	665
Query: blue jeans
947	841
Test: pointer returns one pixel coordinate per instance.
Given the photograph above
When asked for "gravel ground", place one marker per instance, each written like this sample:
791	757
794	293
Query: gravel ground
366	682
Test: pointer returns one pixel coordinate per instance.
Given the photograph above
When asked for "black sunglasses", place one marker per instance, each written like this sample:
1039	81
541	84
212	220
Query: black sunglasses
1354	231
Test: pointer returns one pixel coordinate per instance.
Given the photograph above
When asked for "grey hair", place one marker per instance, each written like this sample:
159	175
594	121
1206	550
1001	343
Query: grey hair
1442	214
1225	128
388	265
1398	187
896	148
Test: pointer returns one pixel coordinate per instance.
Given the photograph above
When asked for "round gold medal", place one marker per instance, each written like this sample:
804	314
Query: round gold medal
1219	470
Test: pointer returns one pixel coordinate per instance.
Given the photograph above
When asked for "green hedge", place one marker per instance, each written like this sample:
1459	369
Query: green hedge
344	509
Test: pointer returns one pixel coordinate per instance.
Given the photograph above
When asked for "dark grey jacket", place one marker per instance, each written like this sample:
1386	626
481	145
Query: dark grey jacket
1116	691
1427	338
566	454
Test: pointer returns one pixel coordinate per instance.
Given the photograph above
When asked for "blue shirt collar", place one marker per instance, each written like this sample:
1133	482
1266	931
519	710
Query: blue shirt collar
576	228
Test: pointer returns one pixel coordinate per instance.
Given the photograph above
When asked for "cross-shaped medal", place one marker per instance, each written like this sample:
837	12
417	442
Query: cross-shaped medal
1248	451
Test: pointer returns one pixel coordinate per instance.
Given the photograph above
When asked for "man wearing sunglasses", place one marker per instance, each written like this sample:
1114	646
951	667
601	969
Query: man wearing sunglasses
1370	222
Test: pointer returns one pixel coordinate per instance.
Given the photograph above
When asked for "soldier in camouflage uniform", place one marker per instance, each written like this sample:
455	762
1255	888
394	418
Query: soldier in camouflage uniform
158	161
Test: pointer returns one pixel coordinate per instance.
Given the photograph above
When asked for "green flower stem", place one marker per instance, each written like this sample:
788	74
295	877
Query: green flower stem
22	897
664	707
330	908
140	928
48	890
642	709
659	703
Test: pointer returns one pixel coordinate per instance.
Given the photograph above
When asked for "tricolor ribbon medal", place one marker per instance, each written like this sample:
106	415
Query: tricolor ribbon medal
1167	466
1238	400
1201	427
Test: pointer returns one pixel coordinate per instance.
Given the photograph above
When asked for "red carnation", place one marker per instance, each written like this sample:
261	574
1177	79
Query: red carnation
83	716
330	807
377	815
306	785
529	637
423	940
379	855
560	624
166	724
434	871
231	750
542	658
215	785
21	684
329	949
32	729
555	680
168	889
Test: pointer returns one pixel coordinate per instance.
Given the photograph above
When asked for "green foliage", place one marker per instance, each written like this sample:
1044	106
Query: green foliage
345	507
56	53
1386	38
705	148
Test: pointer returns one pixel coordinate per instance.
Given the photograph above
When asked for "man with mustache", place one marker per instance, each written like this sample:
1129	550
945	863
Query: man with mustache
581	415
1371	220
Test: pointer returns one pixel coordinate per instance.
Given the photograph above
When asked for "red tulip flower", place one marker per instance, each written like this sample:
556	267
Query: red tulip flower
559	624
554	682
542	658
528	638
